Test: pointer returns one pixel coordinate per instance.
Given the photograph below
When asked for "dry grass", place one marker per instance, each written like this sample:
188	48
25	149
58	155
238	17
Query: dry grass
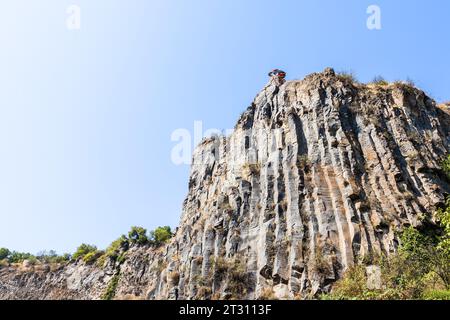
347	76
250	169
267	294
303	162
379	81
320	264
221	265
445	107
174	277
42	268
198	259
4	263
203	292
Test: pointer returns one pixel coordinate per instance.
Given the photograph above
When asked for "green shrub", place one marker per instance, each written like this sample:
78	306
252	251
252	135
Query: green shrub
443	216
351	286
46	256
64	257
18	257
115	248
420	269
437	295
43	256
138	235
160	235
52	257
100	262
4	253
83	250
92	256
112	287
32	259
121	258
446	166
116	251
413	242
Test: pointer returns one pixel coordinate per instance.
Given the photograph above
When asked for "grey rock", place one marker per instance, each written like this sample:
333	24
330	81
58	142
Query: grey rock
317	174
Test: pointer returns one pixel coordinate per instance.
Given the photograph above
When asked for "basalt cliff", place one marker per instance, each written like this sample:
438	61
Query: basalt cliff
318	174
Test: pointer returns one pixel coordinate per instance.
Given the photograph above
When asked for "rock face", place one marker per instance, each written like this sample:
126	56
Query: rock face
318	174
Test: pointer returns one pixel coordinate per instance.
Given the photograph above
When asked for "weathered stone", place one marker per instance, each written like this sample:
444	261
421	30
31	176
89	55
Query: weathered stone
317	174
373	277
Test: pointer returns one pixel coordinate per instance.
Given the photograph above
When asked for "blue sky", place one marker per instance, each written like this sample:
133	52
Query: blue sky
86	115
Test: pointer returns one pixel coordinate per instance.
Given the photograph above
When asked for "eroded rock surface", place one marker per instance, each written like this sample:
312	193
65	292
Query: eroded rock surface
318	174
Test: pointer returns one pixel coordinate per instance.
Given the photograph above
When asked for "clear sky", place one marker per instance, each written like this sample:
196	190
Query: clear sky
86	115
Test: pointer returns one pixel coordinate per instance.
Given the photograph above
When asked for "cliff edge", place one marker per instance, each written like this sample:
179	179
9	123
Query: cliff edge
318	174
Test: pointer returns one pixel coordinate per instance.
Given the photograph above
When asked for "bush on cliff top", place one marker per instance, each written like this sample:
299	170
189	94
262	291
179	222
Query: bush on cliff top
114	249
138	235
19	257
83	250
4	253
8	256
92	256
52	257
347	76
156	237
379	81
160	235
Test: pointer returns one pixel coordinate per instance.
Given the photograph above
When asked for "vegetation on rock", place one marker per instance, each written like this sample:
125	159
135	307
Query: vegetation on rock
160	235
420	269
83	250
138	235
89	253
446	166
112	287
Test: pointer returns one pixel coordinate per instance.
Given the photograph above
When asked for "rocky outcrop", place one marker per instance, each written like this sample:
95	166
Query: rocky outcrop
317	175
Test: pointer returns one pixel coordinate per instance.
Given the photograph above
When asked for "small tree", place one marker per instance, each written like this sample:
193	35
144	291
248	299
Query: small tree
47	256
161	235
83	250
444	220
63	258
446	166
442	257
117	246
4	253
17	257
427	253
138	235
